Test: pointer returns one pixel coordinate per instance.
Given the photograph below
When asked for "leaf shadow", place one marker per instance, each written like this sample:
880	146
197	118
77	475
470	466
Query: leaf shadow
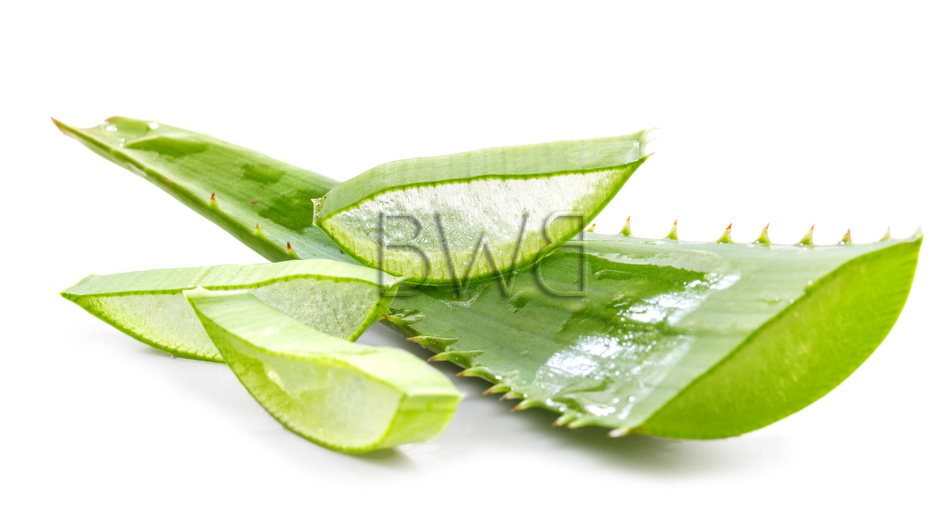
216	385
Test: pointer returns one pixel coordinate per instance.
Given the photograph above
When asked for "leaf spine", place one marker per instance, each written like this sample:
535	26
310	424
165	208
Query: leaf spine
512	395
726	237
763	238
846	240
674	233
808	239
497	389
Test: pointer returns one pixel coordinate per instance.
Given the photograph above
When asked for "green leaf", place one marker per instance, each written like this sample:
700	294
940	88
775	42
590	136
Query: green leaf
680	339
450	219
338	394
668	337
256	199
333	297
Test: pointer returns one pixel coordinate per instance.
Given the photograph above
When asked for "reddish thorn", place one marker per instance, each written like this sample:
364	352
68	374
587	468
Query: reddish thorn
253	201
214	197
289	248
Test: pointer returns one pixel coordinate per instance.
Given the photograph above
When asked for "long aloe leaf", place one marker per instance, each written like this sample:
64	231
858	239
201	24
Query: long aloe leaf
668	337
342	395
472	215
333	297
679	339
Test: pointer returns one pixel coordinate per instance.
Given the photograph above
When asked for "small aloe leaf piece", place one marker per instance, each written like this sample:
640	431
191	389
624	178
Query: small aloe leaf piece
472	215
341	395
333	297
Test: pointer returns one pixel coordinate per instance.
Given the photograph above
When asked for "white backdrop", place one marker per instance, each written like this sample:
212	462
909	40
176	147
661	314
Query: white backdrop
791	113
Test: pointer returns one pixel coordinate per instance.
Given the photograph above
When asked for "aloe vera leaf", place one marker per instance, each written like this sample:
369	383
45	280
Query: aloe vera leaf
341	395
680	339
253	197
333	297
471	215
495	338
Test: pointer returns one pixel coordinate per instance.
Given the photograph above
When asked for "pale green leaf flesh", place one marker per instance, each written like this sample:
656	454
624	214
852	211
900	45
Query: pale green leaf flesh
338	394
470	215
333	297
673	338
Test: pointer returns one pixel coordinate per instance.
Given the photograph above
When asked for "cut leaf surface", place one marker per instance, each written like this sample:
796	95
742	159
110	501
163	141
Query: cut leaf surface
336	298
448	219
342	395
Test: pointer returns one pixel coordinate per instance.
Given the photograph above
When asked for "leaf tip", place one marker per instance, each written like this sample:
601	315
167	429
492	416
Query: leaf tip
59	124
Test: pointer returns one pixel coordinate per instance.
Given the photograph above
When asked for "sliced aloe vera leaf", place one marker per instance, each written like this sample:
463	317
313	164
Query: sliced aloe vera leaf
450	219
338	394
333	297
674	338
512	341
